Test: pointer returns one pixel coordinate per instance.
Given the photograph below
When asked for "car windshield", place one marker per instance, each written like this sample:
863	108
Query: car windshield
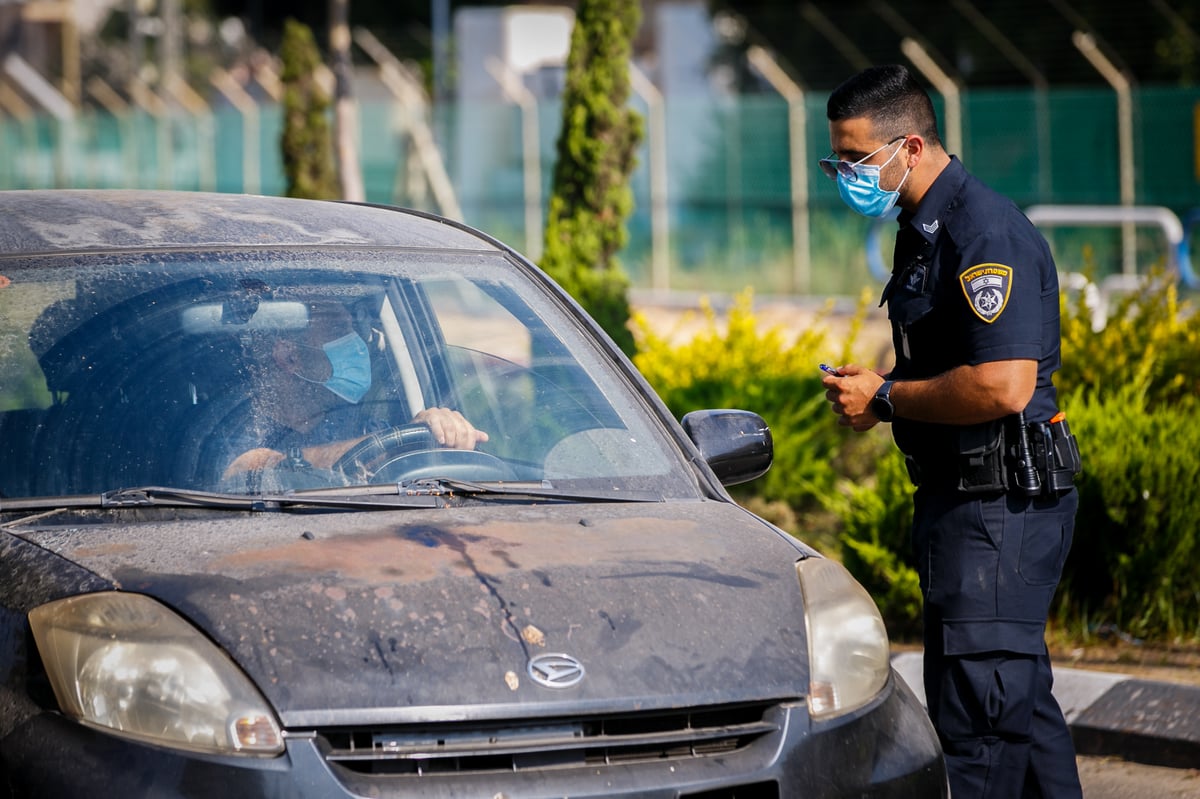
257	371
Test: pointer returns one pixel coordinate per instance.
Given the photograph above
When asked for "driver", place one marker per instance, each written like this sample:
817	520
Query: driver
300	380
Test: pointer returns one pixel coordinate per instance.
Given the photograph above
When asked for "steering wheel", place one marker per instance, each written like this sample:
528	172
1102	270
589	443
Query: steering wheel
409	452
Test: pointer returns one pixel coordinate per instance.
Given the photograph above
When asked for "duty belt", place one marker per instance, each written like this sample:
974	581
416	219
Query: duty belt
1037	459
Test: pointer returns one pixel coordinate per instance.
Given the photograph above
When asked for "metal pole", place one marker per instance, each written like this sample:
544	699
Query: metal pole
439	121
145	98
945	86
72	72
240	99
833	34
797	162
206	157
137	46
15	107
170	41
1041	97
660	223
345	109
439	14
170	52
137	57
115	105
23	74
516	92
1086	44
407	90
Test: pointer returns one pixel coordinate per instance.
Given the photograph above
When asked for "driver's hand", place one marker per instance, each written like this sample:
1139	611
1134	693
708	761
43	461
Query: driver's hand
322	456
253	460
450	428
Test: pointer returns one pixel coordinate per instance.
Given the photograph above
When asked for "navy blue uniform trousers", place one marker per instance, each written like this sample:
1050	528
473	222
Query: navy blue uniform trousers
989	567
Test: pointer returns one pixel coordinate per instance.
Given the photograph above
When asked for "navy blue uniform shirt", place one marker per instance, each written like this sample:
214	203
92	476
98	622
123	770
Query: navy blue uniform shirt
972	281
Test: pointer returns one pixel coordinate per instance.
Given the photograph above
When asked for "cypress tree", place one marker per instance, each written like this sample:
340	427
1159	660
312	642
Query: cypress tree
596	153
306	140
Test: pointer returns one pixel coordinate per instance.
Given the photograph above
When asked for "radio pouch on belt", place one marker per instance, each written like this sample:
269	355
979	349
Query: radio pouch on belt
1057	453
981	467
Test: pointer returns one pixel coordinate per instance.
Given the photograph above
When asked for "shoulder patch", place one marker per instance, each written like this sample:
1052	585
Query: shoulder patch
987	287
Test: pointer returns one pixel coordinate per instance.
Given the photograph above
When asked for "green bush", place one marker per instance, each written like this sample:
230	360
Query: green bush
1130	394
876	519
1133	562
845	493
306	142
733	364
1151	337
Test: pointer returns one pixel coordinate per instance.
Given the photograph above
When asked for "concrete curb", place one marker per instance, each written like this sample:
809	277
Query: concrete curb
1146	721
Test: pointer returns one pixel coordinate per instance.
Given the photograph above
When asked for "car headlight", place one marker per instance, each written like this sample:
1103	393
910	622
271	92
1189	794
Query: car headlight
127	663
848	653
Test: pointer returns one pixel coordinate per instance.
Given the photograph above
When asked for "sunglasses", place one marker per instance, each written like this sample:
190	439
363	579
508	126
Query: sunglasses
833	166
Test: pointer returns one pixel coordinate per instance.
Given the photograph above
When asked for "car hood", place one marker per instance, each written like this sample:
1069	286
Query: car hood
435	614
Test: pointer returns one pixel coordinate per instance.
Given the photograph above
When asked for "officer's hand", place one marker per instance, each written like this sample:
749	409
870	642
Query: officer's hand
850	394
450	428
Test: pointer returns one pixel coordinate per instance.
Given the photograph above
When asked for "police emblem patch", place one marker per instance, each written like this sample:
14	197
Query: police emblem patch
987	287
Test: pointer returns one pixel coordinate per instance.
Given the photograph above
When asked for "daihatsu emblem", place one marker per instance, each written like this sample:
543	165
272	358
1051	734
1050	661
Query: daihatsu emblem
556	670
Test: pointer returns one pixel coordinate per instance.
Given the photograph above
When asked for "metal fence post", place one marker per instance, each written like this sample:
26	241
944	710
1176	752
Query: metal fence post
206	155
119	110
660	223
1086	44
241	100
407	91
797	163
531	167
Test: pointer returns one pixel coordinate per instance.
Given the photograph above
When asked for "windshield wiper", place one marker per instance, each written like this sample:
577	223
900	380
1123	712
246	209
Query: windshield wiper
433	492
165	497
449	486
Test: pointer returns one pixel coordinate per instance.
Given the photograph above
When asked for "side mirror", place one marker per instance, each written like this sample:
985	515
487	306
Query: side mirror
736	445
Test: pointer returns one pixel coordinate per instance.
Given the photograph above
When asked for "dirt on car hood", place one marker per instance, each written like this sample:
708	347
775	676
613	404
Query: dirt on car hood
429	614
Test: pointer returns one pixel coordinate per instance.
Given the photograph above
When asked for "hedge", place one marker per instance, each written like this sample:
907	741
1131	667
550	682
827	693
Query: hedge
1130	393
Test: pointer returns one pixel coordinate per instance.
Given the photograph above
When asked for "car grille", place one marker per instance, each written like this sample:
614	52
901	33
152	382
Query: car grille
587	741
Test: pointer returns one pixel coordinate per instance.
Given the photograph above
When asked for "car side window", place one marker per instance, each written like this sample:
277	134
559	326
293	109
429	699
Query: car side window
25	394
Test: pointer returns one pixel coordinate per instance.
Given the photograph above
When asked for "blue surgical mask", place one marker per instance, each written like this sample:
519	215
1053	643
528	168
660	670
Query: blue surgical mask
351	367
864	194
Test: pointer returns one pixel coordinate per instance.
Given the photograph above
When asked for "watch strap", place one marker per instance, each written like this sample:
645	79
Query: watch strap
881	404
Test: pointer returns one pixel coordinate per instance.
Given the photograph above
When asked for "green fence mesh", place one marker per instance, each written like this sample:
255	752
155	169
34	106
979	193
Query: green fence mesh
728	191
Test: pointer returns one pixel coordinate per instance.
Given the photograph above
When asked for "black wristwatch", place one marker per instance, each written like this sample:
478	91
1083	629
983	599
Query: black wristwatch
881	404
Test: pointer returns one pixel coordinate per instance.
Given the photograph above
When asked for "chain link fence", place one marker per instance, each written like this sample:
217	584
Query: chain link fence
719	206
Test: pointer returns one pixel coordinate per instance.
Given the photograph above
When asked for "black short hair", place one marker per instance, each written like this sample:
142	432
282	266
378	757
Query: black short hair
891	98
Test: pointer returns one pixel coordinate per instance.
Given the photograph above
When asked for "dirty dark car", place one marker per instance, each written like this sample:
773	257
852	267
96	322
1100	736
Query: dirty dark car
309	499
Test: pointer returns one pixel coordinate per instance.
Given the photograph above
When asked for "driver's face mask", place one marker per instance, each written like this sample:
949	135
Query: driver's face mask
350	361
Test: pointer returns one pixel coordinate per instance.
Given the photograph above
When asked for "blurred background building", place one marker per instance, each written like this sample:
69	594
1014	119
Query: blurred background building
1077	103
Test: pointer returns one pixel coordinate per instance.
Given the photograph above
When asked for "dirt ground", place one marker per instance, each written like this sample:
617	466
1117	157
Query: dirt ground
1114	778
1178	665
1144	661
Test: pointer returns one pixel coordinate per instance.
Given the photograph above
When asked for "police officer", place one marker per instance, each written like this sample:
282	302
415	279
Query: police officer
973	306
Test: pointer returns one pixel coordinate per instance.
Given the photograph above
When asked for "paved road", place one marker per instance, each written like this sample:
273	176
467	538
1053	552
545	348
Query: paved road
1109	778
